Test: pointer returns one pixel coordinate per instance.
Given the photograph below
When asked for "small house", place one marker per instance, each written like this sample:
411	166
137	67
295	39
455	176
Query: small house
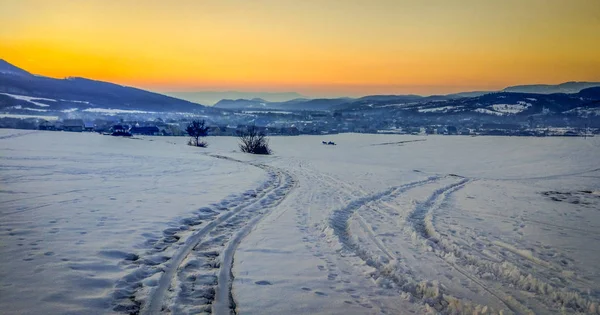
120	128
88	126
74	125
46	125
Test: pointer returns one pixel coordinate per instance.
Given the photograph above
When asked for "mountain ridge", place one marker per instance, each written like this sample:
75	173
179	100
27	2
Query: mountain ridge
86	93
565	87
83	93
7	68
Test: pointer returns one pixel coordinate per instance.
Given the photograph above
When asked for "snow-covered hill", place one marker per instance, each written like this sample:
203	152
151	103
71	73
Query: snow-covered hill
8	69
566	87
80	93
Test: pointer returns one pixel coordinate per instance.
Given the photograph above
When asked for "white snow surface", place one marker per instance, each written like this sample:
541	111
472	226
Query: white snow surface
113	112
378	224
267	111
74	206
31	99
30	109
488	112
17	116
582	111
436	109
511	108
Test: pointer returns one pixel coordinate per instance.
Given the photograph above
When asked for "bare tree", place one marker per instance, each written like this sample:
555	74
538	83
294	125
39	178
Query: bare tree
254	141
197	129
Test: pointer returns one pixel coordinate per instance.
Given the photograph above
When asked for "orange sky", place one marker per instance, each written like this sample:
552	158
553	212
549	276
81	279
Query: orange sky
315	47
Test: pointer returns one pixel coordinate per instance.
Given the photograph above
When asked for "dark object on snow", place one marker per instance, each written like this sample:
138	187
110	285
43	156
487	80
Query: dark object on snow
195	130
145	130
254	141
328	143
121	133
75	125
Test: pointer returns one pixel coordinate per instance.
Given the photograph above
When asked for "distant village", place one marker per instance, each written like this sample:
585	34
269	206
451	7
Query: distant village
306	123
82	105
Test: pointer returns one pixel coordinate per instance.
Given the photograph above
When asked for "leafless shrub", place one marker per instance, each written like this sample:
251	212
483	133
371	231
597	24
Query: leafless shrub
253	141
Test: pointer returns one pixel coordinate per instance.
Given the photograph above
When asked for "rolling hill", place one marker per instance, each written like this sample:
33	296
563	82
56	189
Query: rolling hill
20	87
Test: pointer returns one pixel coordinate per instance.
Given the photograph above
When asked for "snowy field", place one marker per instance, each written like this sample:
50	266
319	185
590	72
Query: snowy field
378	224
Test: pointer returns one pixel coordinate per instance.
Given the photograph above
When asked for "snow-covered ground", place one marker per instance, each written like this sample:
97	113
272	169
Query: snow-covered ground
31	99
77	209
511	108
437	109
378	224
581	111
50	118
488	112
113	112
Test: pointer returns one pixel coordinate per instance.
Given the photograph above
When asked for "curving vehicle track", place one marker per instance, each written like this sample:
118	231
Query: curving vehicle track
195	276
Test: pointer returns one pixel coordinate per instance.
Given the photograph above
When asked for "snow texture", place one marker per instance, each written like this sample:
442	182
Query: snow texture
488	112
31	99
420	225
511	108
113	112
28	116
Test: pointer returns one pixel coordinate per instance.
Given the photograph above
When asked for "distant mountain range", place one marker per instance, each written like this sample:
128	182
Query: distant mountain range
320	104
567	87
212	97
389	100
23	93
80	93
584	103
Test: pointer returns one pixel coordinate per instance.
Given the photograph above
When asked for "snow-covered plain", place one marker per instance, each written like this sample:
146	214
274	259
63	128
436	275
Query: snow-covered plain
378	224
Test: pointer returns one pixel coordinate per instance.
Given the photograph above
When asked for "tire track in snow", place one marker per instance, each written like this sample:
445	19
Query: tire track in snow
419	217
222	301
340	218
373	237
131	291
329	193
16	135
422	222
478	270
429	293
517	179
194	277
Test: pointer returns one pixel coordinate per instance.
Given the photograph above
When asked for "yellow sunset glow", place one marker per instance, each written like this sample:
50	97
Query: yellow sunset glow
344	47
